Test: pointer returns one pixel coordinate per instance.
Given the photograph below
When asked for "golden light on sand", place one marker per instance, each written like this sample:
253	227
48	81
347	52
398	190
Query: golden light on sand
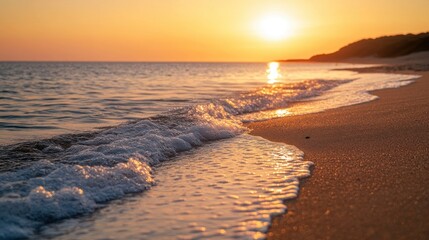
273	72
274	27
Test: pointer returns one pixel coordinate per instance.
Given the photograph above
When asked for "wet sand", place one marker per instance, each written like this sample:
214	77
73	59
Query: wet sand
371	175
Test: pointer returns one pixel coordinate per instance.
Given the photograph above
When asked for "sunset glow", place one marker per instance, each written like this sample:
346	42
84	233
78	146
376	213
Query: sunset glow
196	30
202	119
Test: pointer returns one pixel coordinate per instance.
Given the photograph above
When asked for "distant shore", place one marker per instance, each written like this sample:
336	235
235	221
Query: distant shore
415	58
383	48
371	165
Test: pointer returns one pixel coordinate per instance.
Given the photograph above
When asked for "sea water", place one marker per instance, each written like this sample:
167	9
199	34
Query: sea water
78	135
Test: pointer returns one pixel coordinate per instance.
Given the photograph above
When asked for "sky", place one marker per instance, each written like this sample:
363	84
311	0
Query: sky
196	30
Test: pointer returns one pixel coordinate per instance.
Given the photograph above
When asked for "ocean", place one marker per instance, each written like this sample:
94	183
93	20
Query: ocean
157	150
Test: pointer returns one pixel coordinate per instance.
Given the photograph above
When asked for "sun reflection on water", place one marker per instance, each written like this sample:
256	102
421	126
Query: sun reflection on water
273	72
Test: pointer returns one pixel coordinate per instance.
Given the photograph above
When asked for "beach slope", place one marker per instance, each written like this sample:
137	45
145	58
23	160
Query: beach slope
371	173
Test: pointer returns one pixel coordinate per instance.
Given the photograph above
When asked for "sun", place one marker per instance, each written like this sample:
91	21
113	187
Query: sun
274	27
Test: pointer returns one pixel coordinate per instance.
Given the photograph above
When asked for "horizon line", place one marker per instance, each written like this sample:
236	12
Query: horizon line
121	61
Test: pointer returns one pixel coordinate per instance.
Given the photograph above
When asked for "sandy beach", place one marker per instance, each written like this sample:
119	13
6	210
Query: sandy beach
371	168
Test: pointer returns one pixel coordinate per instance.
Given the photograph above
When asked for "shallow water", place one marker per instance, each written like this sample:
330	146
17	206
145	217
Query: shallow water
228	189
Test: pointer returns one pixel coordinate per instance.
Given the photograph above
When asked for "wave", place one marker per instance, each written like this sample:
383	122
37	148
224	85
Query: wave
68	175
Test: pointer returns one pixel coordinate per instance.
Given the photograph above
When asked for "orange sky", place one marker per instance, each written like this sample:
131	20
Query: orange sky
193	30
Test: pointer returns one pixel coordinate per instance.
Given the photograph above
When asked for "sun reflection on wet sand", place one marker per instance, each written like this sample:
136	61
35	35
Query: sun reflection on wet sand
282	112
273	72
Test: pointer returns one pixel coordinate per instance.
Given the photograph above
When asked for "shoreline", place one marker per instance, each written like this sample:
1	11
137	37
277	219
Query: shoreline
371	167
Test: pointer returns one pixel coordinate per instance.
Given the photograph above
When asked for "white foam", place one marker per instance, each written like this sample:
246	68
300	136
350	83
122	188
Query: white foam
228	189
48	192
113	163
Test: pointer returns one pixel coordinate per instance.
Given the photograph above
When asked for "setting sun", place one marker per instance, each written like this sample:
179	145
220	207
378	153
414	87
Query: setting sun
199	119
274	27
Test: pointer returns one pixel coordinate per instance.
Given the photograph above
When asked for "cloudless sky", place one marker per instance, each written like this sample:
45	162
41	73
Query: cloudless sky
194	30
